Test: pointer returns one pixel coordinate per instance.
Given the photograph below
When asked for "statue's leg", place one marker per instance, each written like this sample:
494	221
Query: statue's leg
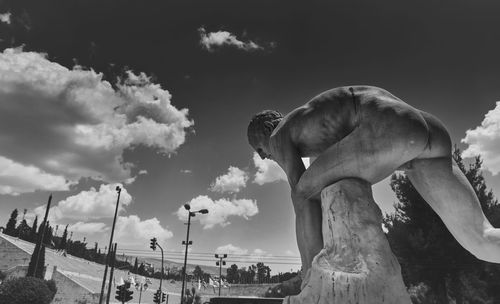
446	189
308	231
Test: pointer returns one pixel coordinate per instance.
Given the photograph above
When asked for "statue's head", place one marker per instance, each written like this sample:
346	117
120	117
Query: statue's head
260	129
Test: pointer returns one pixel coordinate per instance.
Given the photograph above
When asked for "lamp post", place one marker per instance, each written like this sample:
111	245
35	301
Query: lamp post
118	190
219	263
187	243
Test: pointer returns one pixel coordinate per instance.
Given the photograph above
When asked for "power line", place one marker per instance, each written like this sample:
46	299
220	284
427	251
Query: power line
229	260
212	253
249	260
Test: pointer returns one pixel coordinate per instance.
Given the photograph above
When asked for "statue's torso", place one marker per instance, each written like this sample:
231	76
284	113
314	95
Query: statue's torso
334	114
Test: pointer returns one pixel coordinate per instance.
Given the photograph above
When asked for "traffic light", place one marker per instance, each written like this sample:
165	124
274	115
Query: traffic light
156	298
162	297
119	292
153	244
123	294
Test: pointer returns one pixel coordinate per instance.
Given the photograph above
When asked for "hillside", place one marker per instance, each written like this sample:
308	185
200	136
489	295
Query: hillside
156	262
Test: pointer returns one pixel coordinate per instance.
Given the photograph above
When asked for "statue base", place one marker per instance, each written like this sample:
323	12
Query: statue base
356	264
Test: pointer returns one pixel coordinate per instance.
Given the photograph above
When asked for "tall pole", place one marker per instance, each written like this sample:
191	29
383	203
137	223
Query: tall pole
113	257
185	258
161	279
119	190
140	294
220	275
220	263
42	235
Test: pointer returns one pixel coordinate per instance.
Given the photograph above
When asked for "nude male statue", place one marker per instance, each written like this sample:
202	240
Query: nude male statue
368	133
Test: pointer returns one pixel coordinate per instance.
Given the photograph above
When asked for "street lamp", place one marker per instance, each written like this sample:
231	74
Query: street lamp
118	190
187	243
220	263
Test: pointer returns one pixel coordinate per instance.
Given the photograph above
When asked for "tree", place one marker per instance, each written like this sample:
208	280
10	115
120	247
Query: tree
427	251
47	237
37	272
252	271
23	230
262	272
198	272
64	239
47	234
34	227
27	290
77	248
232	274
10	228
141	270
136	267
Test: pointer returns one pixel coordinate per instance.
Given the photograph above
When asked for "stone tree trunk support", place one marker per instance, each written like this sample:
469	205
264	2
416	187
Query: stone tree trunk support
356	264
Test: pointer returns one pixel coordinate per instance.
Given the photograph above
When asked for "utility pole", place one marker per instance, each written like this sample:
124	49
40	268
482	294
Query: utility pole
119	190
187	243
219	263
113	258
42	234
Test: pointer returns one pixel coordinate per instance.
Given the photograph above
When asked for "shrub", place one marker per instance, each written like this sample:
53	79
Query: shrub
51	284
27	290
421	294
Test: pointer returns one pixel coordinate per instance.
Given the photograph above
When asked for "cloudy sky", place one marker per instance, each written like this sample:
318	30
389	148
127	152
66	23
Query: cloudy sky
156	96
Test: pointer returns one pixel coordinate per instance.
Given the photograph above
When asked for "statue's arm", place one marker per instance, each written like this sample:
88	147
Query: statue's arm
287	156
317	177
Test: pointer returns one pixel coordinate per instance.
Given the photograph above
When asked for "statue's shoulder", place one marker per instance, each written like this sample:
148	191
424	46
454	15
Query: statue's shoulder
340	93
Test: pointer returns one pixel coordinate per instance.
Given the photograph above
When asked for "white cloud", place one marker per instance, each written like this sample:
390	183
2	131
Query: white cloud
91	204
186	171
484	140
231	182
5	18
218	211
243	255
88	228
16	178
211	41
72	124
131	231
290	253
268	171
231	249
260	254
